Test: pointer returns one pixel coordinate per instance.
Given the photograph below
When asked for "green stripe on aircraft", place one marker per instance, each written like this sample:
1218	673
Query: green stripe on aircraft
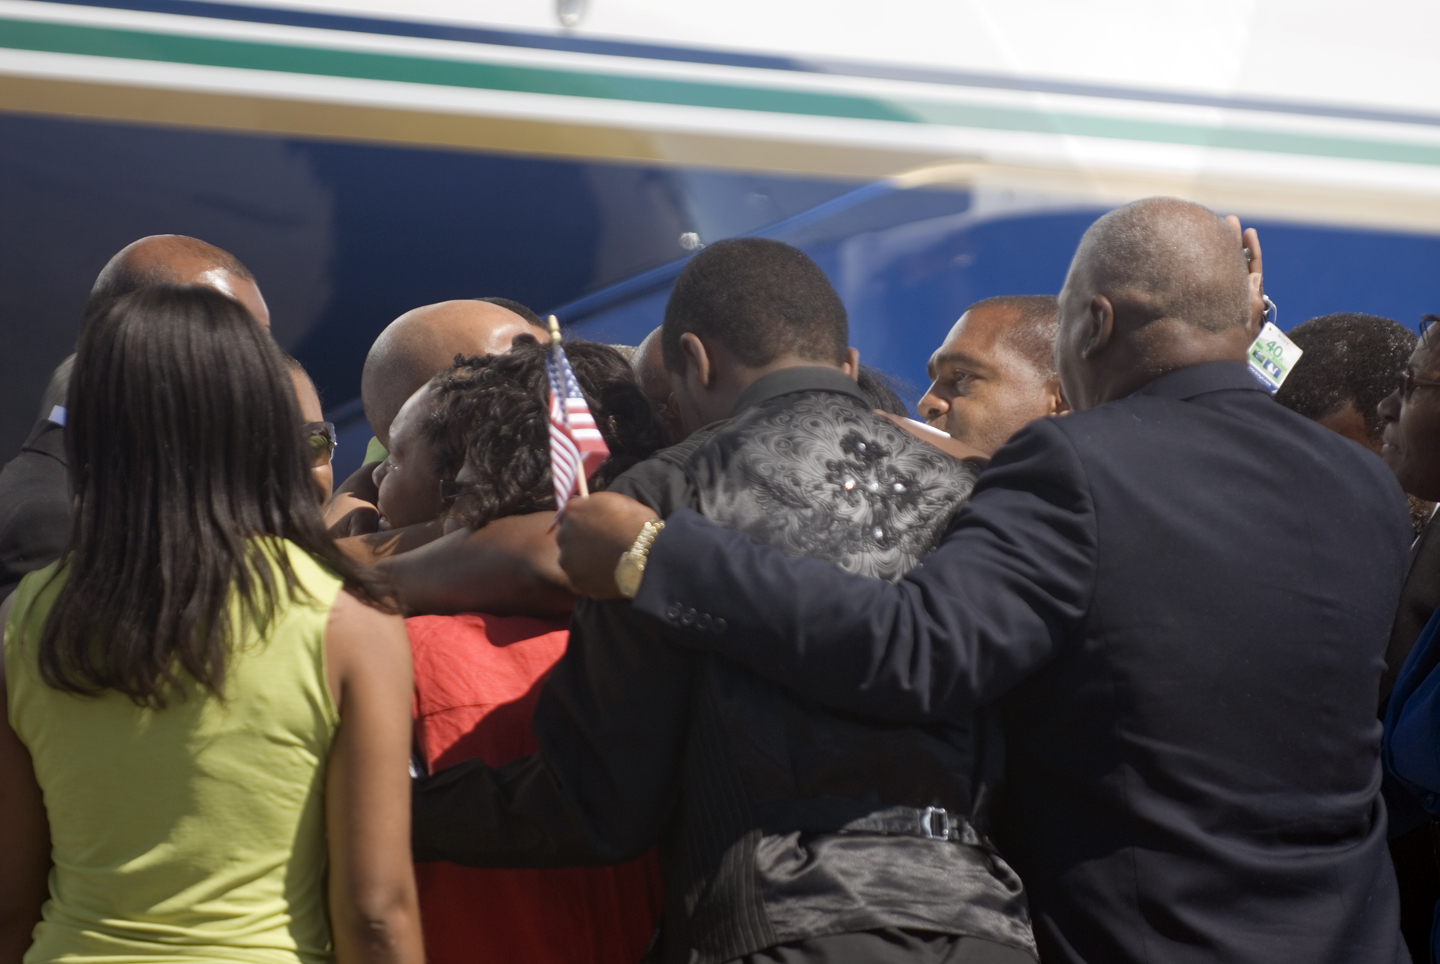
68	38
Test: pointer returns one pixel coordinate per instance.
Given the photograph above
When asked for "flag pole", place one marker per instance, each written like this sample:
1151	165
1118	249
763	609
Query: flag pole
554	324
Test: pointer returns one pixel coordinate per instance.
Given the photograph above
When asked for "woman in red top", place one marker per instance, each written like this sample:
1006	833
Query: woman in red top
473	446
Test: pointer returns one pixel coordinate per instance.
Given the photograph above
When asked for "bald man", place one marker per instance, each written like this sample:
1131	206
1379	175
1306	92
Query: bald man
649	364
34	487
1178	595
176	259
419	343
406	355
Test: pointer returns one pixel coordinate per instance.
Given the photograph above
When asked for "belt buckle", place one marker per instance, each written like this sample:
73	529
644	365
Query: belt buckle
927	823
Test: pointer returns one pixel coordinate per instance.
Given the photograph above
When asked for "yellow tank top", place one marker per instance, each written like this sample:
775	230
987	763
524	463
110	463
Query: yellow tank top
195	832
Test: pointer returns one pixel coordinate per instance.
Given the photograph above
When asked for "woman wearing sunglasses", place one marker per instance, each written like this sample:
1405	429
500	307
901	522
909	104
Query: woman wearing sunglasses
316	434
204	727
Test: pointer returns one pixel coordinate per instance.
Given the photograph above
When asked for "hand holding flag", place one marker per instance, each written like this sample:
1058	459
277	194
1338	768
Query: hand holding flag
576	446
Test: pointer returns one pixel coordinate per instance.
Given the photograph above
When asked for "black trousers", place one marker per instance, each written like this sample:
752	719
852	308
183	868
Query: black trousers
890	946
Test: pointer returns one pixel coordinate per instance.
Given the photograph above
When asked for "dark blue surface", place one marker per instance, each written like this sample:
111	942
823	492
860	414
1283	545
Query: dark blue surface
342	237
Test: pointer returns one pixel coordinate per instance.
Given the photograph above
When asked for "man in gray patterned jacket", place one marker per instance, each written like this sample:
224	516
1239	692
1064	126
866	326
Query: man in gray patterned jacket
786	832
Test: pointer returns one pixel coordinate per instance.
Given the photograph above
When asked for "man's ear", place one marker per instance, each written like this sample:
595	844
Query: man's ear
1099	325
851	366
697	360
1257	307
1055	403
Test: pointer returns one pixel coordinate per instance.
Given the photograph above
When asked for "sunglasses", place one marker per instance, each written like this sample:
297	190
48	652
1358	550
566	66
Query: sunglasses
321	441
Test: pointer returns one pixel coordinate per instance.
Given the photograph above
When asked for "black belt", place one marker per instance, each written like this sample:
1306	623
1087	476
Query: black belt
931	823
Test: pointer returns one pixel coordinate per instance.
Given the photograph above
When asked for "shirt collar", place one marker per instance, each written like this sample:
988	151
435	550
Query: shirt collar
1219	376
46	438
804	379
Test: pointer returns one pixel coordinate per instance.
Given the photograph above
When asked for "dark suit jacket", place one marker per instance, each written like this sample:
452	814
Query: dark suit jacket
1418	599
34	505
1413	853
1182	600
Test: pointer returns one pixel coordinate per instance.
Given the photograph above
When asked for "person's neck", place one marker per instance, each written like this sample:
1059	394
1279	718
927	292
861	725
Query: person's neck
738	378
729	379
1163	347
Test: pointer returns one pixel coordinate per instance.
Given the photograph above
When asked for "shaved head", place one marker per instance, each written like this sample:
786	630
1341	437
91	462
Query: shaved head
649	364
422	342
175	259
1155	286
1167	258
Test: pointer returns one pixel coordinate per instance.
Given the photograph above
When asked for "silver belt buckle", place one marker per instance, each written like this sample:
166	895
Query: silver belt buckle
927	823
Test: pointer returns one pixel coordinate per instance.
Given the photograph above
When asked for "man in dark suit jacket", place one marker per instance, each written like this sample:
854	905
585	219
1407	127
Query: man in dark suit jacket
1180	595
35	486
35	491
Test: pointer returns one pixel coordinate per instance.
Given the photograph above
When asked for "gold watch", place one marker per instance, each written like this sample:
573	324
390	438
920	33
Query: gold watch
632	564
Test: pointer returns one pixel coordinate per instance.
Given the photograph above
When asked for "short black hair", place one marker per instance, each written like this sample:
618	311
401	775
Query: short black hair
522	310
1349	357
492	411
758	298
878	393
1038	325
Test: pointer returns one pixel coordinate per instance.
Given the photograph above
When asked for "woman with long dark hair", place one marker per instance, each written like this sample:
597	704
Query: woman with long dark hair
206	705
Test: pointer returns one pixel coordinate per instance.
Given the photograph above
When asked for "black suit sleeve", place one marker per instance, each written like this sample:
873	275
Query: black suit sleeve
611	723
1011	579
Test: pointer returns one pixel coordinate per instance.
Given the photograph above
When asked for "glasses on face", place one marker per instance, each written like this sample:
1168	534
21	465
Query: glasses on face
320	441
1408	382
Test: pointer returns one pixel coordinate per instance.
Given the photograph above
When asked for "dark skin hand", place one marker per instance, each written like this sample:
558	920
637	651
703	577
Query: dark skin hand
509	567
1249	239
594	533
351	510
373	548
949	445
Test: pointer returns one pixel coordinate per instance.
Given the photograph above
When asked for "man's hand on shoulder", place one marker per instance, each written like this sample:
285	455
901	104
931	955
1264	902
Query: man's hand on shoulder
950	446
348	515
594	533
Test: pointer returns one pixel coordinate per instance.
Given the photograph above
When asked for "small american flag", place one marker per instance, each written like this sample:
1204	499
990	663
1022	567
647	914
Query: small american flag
576	445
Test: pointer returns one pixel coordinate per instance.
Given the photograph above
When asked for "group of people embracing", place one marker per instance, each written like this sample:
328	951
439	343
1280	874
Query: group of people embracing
1084	670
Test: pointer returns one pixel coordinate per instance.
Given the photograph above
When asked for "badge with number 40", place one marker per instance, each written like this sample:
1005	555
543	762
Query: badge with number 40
1272	356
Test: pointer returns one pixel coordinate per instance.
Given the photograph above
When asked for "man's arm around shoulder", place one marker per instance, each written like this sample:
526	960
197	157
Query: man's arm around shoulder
1012	579
611	722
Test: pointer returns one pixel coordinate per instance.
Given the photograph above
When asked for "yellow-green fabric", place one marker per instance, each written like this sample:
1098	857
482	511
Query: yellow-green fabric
375	452
194	832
